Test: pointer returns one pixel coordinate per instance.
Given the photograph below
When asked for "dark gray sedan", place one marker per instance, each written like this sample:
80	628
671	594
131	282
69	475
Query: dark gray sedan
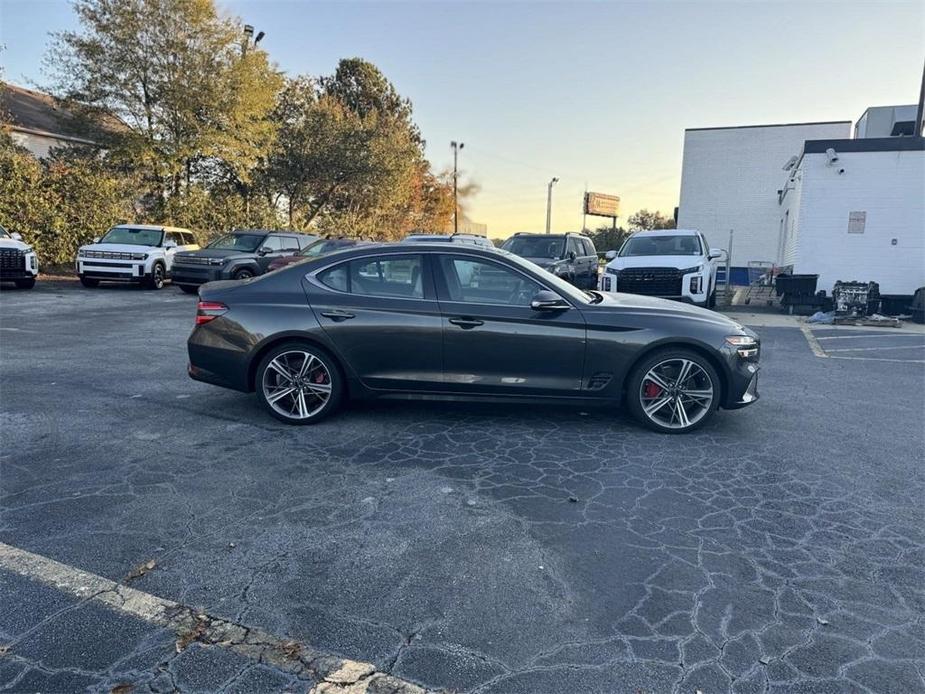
430	321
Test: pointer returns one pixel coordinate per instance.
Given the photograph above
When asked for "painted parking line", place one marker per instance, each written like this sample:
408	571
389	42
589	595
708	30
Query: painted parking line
850	353
813	342
874	349
867	336
334	675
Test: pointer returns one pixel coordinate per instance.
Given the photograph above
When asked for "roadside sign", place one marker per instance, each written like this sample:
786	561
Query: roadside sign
602	205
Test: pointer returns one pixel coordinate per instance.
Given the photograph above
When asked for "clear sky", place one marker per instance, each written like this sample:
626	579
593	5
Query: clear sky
594	93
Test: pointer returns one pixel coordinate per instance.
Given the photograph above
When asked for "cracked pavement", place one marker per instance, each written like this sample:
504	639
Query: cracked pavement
462	547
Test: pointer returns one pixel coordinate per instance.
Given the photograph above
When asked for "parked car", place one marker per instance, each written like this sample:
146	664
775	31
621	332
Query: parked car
239	255
140	253
568	256
315	249
434	320
673	264
18	261
473	239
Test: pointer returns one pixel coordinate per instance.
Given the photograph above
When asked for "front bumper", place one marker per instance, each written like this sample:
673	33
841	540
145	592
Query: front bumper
194	275
18	266
741	377
111	271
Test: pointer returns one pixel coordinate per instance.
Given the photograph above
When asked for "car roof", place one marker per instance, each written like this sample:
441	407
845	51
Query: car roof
551	236
149	227
663	232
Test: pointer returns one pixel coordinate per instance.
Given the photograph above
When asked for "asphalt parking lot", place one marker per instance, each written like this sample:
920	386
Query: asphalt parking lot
465	548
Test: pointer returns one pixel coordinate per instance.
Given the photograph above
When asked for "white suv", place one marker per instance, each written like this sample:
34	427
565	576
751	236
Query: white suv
133	253
18	262
672	264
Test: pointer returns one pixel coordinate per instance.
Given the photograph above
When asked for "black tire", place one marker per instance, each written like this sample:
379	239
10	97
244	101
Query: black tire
187	289
634	385
89	282
332	376
26	283
243	274
158	276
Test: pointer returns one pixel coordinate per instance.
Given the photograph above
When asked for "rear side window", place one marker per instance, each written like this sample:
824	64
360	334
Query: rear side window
289	243
386	277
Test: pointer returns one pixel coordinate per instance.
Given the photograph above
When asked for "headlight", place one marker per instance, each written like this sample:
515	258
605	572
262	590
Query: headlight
611	271
746	346
216	261
27	250
82	253
687	271
139	256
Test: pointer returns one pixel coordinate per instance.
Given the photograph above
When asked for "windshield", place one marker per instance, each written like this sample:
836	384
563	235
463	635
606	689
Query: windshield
535	246
133	236
246	243
564	288
669	244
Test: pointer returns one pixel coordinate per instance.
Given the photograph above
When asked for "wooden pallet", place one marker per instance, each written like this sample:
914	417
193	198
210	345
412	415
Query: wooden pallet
869	323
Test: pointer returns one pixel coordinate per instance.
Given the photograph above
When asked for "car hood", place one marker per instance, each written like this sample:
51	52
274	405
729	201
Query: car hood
118	247
14	244
543	262
676	261
616	305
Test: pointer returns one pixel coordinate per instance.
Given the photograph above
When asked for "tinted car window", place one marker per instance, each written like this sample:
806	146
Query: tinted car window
536	246
289	243
663	244
399	276
589	247
133	237
246	243
335	278
272	244
480	282
176	237
574	246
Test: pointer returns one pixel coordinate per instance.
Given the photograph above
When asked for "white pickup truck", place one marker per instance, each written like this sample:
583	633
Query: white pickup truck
672	264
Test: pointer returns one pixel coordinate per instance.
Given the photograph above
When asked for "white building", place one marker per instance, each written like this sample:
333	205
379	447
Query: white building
37	122
730	178
855	210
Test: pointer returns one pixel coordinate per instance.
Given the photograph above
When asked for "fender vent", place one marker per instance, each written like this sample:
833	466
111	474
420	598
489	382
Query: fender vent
599	381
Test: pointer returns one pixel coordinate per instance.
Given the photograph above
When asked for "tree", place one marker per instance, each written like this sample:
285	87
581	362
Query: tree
606	238
176	76
644	220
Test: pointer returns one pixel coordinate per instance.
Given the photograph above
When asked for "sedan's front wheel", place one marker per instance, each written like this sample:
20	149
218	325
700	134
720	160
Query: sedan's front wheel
299	383
673	391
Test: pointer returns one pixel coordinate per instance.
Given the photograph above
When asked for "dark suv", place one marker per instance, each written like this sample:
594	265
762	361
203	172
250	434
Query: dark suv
569	256
236	256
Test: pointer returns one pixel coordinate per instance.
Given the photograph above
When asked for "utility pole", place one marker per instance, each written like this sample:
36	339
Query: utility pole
549	202
456	147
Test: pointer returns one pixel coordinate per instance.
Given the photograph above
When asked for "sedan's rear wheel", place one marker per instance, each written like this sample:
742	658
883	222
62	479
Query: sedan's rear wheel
299	383
674	391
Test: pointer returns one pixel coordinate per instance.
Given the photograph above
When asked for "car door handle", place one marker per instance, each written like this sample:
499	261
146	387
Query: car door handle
337	316
467	323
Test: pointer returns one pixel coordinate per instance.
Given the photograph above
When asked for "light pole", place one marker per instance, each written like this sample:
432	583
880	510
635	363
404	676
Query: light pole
549	202
456	147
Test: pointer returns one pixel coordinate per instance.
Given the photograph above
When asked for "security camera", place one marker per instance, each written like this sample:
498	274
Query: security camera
791	162
831	155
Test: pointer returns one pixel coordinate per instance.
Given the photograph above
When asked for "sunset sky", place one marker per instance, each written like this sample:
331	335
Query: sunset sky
597	94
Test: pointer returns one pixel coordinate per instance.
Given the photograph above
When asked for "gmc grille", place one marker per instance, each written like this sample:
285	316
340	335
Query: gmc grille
654	281
12	259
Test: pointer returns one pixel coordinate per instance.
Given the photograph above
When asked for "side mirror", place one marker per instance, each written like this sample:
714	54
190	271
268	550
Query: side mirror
262	251
170	244
571	255
546	300
96	239
715	253
16	236
610	255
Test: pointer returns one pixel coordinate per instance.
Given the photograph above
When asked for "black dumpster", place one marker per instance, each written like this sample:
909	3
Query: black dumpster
803	285
895	304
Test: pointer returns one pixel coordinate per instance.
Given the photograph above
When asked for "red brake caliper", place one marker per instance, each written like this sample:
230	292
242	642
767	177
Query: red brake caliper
652	390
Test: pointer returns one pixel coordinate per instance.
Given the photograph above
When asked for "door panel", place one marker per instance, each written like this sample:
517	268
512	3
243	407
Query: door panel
494	343
381	315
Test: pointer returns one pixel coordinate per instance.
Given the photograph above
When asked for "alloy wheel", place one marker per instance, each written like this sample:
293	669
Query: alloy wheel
296	384
676	393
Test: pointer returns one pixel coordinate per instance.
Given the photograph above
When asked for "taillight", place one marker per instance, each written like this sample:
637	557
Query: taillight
208	310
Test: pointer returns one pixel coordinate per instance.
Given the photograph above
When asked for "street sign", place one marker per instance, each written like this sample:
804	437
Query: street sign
602	205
